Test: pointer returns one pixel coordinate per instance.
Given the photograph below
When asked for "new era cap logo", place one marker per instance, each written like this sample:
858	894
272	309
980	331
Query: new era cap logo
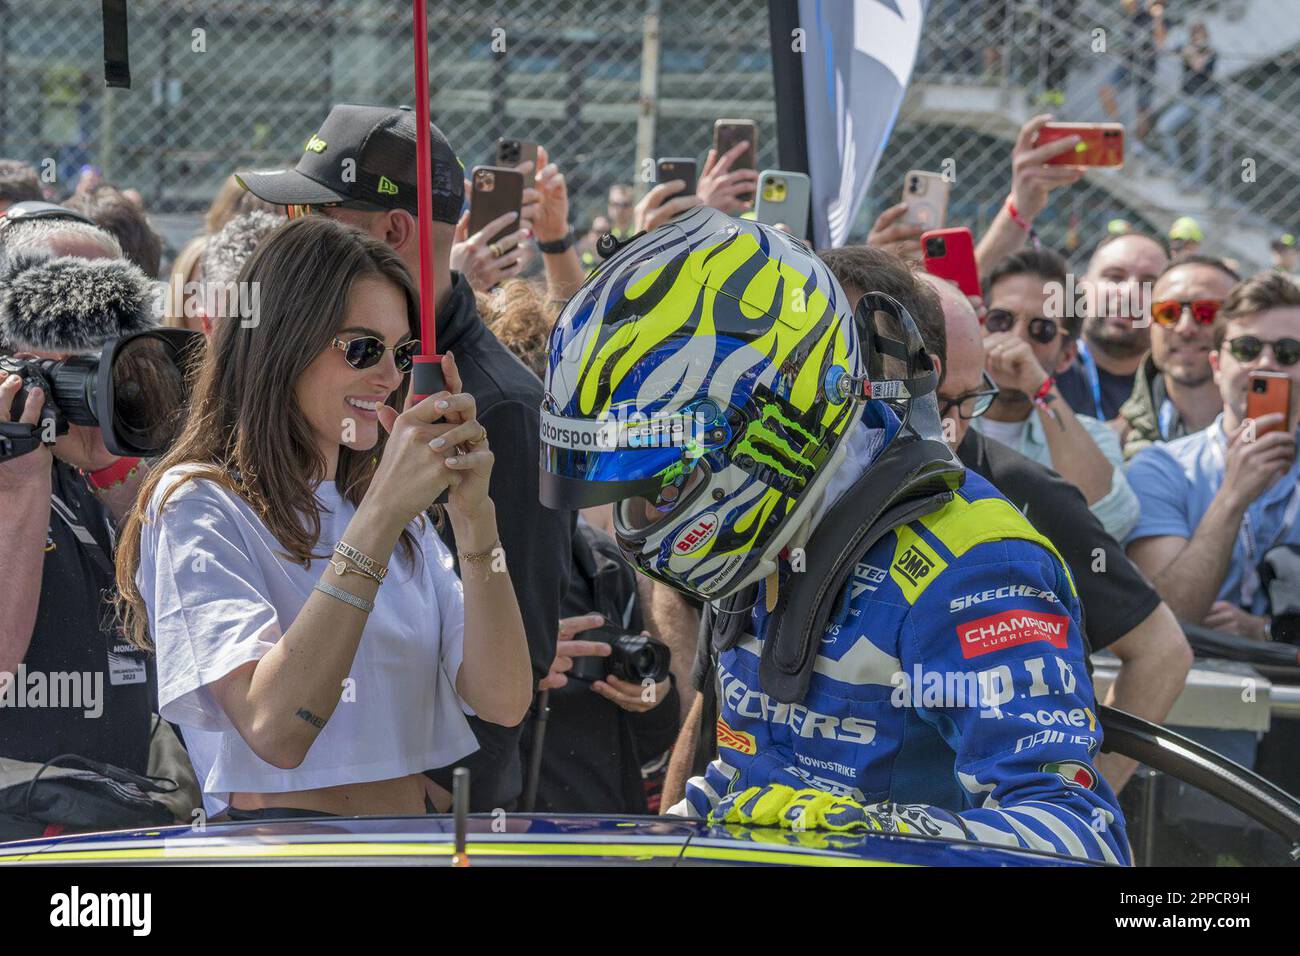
315	145
386	187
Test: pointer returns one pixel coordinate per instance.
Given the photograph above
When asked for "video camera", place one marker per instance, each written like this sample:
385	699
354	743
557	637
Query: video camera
120	372
135	390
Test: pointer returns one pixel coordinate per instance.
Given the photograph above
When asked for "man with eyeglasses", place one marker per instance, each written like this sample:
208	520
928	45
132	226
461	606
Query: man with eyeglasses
1215	503
1122	613
1027	342
1174	393
359	167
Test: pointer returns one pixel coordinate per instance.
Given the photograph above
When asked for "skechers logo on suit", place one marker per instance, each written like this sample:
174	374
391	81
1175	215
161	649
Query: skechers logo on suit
1011	590
804	722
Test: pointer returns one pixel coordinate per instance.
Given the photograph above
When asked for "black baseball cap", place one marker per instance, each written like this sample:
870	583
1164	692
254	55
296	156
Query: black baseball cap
380	142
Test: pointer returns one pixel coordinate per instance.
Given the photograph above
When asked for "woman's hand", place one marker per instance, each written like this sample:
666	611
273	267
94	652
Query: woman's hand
720	186
463	443
661	204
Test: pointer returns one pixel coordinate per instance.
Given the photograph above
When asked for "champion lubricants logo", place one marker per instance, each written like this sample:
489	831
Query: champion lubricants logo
1011	629
697	535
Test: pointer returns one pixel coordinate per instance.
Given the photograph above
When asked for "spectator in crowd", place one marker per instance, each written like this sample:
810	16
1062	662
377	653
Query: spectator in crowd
1286	255
233	200
1185	237
18	183
58	506
224	256
1142	37
1025	348
1032	182
1122	613
186	273
619	205
535	539
1200	101
302	689
1115	328
1216	502
107	208
1174	393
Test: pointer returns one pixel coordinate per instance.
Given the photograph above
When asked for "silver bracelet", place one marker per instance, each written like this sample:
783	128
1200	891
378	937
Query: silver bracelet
342	595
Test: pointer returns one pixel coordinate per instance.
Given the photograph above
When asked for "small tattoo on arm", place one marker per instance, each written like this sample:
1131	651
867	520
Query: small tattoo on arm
307	715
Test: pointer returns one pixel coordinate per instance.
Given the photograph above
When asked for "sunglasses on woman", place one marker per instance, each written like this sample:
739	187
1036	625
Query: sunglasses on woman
1167	312
366	351
971	404
1041	330
1247	348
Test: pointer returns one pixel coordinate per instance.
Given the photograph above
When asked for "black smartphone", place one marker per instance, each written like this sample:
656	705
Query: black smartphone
676	167
494	191
726	134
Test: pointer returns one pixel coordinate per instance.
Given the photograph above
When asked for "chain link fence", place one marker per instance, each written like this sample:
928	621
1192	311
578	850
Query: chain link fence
225	84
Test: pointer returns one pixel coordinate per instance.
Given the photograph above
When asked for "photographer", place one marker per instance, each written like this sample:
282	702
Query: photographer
57	507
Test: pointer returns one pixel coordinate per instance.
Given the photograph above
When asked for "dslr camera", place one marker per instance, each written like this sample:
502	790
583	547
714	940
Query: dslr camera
632	657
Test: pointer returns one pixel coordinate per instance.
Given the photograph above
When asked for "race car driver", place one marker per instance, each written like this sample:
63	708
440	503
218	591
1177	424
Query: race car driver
889	656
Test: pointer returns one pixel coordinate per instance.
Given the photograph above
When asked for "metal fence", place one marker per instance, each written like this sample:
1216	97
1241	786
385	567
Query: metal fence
227	84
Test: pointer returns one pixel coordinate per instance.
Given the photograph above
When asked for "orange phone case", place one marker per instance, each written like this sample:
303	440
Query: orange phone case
1102	144
1266	393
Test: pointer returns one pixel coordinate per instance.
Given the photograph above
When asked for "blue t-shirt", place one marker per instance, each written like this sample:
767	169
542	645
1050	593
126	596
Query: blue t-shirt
1175	484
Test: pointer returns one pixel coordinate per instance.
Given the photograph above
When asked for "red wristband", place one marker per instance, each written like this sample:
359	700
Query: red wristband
1019	220
1043	390
114	474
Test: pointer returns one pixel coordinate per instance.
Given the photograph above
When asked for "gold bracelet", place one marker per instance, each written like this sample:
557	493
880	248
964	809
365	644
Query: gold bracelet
481	557
341	568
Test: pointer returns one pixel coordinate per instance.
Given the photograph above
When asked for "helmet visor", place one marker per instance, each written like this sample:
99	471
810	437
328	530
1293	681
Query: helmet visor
586	463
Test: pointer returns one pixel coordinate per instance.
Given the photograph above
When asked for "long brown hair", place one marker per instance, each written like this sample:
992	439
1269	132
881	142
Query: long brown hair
244	428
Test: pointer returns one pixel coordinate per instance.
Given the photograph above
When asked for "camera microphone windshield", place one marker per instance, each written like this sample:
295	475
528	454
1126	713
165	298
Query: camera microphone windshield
68	304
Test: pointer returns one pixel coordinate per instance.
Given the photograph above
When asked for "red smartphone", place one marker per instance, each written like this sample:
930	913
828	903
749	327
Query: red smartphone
950	254
1100	144
1266	393
495	190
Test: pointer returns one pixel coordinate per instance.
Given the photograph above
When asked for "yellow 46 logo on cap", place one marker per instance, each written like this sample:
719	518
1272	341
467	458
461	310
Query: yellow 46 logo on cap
315	145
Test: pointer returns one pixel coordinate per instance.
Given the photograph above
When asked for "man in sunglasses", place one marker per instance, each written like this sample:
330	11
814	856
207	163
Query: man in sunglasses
1216	502
1174	393
359	167
1122	612
1025	347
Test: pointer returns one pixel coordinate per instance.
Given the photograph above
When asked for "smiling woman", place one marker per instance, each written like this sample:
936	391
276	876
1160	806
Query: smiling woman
300	688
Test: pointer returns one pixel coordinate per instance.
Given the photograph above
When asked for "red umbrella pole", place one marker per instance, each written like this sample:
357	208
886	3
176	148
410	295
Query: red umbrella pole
426	377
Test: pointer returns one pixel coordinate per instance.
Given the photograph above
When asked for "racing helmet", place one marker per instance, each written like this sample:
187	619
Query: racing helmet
702	380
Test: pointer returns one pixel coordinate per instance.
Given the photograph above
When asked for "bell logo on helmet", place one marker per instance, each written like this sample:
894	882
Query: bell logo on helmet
698	534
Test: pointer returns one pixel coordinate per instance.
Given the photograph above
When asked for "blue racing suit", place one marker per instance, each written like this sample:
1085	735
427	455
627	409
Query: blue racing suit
950	682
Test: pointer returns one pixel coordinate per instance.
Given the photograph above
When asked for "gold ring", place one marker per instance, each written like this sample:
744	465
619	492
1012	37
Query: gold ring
482	437
495	250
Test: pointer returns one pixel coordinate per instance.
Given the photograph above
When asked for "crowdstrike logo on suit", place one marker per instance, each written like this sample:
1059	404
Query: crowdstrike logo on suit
76	690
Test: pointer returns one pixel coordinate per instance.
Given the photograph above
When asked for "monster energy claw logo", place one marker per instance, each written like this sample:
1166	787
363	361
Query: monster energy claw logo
780	443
